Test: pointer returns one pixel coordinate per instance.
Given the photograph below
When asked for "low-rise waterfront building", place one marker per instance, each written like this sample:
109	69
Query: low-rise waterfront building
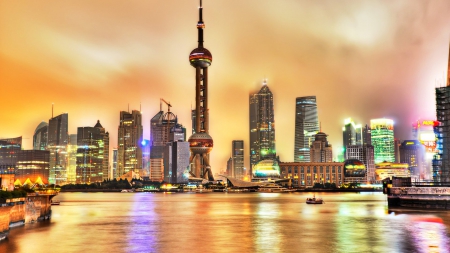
33	167
388	170
307	174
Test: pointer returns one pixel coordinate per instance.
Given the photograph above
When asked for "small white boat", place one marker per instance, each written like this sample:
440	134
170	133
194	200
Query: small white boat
314	200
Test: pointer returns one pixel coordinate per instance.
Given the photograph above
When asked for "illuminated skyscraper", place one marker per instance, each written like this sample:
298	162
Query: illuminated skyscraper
58	138
306	126
92	154
201	143
40	136
129	157
320	150
412	152
382	131
441	162
9	149
237	152
262	126
72	149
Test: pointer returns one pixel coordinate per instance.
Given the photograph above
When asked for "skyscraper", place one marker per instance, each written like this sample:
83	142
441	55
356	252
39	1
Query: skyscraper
320	150
160	126
129	157
306	126
412	152
441	161
72	149
382	131
201	143
176	162
58	138
237	151
366	135
352	133
114	163
9	149
92	154
40	136
262	126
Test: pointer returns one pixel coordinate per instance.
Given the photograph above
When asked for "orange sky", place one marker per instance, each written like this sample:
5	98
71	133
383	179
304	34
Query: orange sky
362	59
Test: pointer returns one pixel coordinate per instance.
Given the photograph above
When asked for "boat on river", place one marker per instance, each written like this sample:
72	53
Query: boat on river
314	200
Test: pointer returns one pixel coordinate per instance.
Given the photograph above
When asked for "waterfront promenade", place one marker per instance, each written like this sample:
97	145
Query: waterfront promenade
229	222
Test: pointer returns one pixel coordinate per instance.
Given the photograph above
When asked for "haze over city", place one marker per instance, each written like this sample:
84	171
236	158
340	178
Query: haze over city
361	59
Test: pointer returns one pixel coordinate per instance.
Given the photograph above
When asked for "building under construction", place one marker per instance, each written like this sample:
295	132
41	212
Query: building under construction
163	127
441	161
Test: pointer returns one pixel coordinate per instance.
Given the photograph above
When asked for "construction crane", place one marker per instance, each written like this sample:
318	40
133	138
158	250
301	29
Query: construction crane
167	103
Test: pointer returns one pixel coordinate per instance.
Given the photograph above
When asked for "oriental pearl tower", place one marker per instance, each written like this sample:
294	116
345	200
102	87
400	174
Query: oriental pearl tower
201	143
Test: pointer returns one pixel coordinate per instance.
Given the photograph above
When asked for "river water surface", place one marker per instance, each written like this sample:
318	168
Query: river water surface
230	222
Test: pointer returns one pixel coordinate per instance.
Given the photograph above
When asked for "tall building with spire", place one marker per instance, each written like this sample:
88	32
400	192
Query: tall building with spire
262	126
306	126
441	161
129	154
201	143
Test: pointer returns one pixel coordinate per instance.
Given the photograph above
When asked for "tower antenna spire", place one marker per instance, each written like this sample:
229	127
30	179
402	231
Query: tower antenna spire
200	25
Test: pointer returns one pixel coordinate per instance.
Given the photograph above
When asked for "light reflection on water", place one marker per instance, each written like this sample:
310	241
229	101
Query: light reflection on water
229	222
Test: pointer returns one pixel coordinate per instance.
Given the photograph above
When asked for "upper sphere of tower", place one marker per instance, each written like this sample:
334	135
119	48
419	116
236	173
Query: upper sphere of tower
200	57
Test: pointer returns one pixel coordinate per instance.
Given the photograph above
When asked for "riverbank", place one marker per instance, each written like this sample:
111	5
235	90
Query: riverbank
91	190
340	190
190	191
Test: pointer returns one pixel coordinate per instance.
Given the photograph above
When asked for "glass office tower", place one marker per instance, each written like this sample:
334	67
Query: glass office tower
306	126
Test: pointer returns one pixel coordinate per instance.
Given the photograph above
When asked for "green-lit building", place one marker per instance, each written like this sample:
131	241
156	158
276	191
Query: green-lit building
382	136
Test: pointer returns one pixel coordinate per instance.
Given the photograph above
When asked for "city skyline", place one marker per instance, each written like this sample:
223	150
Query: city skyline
363	60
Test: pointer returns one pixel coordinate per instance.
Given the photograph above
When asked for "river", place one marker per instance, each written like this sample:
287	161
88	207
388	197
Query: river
230	222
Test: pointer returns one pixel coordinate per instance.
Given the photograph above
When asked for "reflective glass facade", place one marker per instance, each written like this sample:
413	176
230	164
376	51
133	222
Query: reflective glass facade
40	136
58	138
306	126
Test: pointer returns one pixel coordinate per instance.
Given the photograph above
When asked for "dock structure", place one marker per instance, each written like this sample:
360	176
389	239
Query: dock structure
18	211
402	193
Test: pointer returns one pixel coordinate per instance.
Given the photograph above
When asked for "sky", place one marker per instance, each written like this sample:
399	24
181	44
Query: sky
93	59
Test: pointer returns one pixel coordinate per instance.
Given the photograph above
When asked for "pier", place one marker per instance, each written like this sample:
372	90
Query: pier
18	211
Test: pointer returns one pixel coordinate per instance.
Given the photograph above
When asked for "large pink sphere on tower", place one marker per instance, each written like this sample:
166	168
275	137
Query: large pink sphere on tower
200	143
